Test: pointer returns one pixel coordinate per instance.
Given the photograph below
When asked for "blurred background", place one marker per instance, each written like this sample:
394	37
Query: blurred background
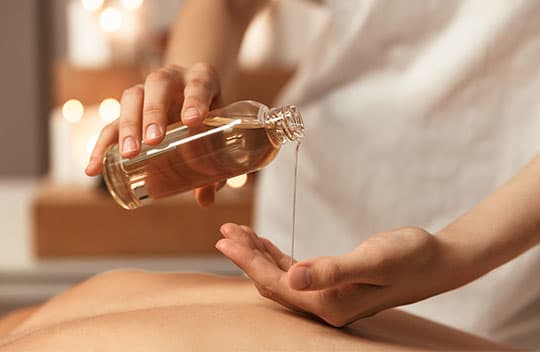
64	65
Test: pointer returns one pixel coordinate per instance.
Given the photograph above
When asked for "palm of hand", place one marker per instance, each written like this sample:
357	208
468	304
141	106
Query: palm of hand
389	269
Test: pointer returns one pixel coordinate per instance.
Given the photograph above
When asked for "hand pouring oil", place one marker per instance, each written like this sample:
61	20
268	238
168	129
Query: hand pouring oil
240	138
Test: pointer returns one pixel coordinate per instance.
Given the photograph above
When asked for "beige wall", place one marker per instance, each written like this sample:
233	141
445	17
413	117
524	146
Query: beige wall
23	87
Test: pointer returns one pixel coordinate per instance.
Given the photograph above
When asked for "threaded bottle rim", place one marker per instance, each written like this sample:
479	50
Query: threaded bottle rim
286	122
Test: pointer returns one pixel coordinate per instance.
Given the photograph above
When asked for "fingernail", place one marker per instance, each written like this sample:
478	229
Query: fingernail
153	131
191	114
300	278
129	145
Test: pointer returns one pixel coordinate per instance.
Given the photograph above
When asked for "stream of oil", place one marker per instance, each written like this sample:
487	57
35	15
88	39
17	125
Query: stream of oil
293	230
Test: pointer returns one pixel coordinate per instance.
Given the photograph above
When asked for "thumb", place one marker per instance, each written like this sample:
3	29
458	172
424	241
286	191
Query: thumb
319	273
359	266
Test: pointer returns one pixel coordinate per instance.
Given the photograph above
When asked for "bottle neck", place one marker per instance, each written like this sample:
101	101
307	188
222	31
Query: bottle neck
284	124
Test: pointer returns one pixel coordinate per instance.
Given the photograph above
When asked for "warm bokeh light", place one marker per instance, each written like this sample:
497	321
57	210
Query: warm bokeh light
238	181
91	144
73	110
131	4
92	5
109	110
130	27
111	20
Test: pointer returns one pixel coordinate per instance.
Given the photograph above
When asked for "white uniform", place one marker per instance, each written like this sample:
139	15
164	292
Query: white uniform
414	112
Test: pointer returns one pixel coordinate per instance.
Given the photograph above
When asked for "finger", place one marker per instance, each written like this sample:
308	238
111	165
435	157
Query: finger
160	89
257	242
237	235
205	196
201	87
106	138
255	265
270	280
129	135
254	238
284	261
245	235
327	272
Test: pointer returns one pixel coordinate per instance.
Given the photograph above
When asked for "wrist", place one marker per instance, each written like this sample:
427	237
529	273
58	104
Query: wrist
457	258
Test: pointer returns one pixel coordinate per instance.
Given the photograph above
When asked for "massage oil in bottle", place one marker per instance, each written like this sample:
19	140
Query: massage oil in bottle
240	138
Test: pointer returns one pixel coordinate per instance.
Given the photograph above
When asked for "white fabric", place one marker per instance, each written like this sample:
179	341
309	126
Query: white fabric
414	112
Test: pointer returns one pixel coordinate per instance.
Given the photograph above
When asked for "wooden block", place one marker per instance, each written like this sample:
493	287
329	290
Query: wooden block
82	221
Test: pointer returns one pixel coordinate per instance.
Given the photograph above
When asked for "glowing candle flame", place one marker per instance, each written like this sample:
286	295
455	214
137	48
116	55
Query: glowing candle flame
111	20
92	5
109	110
238	181
131	5
73	110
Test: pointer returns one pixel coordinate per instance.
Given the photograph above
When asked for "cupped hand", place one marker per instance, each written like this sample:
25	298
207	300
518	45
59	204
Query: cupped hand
387	270
168	95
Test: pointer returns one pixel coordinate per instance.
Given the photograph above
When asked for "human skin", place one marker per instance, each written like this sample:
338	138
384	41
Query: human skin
142	311
396	267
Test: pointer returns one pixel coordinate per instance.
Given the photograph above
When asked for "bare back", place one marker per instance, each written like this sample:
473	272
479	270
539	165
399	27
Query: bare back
140	311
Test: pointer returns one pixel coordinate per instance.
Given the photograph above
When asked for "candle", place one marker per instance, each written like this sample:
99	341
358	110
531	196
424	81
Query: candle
72	140
87	45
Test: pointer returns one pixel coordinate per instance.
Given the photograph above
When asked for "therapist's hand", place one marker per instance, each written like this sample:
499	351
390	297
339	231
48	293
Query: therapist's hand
168	95
387	270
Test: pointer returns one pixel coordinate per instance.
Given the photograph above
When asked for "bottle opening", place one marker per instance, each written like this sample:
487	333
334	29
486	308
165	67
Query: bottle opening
286	122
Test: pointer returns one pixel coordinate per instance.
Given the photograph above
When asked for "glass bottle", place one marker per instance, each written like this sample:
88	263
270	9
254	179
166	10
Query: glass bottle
239	138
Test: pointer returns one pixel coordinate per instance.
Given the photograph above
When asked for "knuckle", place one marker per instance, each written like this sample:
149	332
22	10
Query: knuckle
154	109
191	99
174	68
160	76
199	83
206	68
265	291
136	92
329	271
108	130
128	125
207	73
